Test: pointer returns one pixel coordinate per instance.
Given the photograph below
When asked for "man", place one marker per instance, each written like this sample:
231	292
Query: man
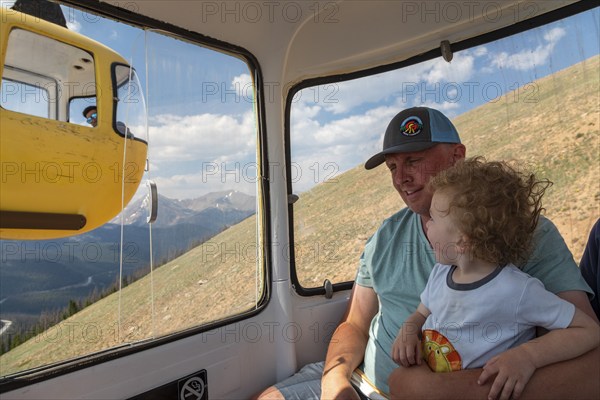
91	115
590	265
418	143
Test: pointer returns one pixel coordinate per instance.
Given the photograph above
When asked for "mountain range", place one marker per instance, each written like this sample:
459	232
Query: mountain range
199	211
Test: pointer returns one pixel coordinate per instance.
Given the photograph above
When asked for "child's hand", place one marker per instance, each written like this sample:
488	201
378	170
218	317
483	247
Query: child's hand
406	350
513	368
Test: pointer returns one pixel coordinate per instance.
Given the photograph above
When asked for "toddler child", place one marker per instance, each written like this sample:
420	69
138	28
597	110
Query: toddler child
478	309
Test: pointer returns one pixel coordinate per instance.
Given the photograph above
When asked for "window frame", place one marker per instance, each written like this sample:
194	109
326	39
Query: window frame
53	370
519	27
117	100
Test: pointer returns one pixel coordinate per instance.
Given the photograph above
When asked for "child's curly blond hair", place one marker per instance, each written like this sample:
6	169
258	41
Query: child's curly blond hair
495	205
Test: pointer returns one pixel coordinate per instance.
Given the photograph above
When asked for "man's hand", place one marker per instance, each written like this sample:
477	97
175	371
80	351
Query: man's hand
513	369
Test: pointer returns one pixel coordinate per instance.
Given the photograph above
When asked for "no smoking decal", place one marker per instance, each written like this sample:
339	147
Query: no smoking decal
193	387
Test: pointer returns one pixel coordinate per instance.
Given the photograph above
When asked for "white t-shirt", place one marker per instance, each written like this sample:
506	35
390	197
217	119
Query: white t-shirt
471	323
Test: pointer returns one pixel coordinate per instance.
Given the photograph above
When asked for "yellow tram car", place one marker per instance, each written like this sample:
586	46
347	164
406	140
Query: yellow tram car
61	175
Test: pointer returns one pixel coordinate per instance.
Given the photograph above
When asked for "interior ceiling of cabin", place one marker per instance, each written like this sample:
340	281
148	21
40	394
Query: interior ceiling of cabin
296	40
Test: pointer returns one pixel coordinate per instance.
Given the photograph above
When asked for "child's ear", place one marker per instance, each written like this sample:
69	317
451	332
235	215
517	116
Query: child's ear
463	244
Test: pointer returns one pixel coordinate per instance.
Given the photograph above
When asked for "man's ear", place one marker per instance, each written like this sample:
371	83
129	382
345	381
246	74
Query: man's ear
460	152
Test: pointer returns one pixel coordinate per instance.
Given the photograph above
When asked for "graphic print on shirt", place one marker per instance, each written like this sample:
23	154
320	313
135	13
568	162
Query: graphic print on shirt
439	352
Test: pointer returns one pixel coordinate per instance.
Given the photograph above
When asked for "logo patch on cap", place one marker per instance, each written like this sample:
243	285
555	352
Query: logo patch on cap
411	126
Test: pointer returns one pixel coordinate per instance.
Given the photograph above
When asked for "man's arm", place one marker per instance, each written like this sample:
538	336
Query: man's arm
575	378
347	345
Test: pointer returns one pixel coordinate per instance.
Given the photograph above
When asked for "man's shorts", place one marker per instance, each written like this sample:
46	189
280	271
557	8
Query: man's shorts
306	384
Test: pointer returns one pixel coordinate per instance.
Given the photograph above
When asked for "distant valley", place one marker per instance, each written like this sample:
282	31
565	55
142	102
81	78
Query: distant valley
37	276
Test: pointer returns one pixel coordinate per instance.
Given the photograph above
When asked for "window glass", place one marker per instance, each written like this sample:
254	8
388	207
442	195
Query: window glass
201	260
130	106
531	97
25	98
76	107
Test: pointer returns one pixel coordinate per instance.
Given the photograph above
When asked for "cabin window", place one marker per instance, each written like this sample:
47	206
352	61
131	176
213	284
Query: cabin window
41	75
129	104
201	262
76	107
531	97
25	98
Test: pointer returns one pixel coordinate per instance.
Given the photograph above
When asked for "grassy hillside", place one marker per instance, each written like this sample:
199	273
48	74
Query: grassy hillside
556	132
555	129
187	291
553	126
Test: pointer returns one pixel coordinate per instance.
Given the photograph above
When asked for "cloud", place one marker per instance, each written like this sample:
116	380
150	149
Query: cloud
447	107
480	51
554	35
343	97
193	155
321	152
353	130
74	25
528	59
184	138
460	69
243	86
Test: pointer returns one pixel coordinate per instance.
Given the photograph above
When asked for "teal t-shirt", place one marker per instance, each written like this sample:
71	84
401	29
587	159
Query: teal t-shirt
397	261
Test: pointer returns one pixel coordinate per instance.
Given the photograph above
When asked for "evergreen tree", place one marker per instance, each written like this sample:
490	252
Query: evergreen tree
72	308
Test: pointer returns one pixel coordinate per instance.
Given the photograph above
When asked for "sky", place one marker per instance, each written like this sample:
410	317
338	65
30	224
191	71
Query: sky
202	124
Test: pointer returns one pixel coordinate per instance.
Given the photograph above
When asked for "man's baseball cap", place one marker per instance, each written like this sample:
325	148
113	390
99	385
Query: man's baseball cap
415	129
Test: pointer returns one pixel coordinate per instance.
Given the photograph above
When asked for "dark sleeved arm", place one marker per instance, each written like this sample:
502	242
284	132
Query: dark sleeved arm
590	265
